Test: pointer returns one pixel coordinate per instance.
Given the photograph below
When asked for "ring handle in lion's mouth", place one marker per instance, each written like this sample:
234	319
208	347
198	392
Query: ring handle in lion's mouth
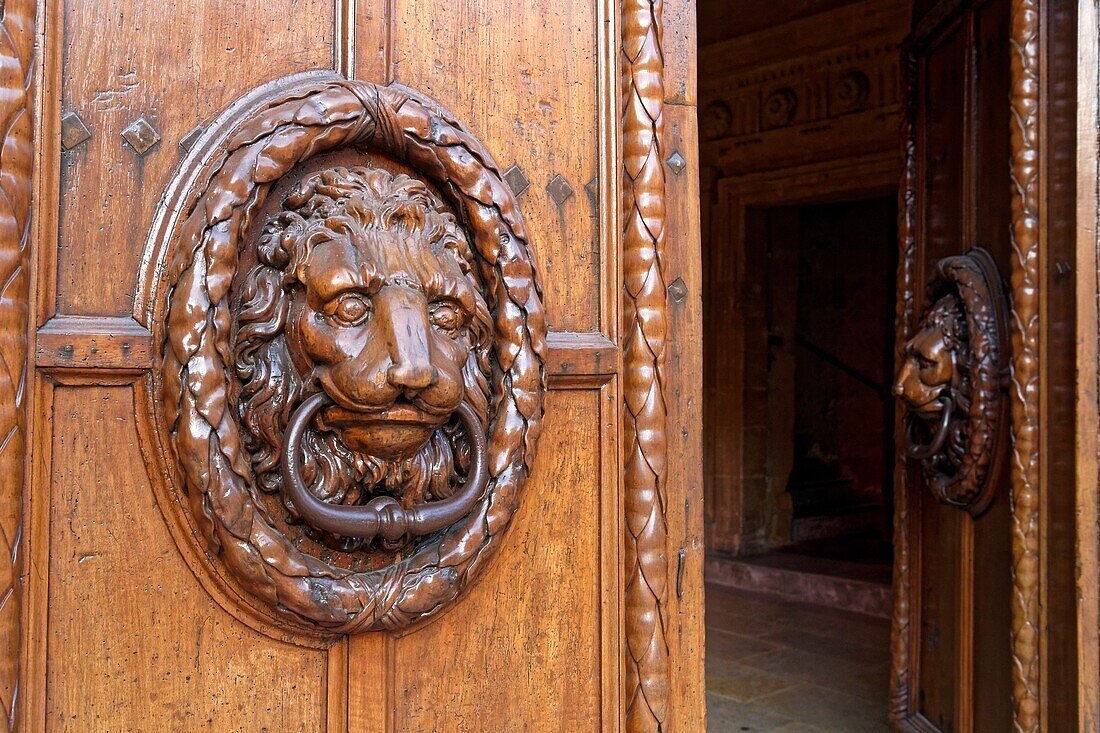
920	451
382	516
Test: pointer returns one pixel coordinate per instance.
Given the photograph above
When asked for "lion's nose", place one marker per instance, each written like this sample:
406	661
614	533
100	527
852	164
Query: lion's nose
412	376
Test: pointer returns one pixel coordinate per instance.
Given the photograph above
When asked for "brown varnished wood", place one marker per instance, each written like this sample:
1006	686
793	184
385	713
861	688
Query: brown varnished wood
99	677
124	60
958	358
645	333
374	296
16	156
555	115
684	390
1087	359
1026	501
951	664
527	102
85	342
568	567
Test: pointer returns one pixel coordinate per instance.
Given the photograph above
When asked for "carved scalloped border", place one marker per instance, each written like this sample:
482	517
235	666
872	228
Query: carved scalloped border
645	316
1025	393
16	156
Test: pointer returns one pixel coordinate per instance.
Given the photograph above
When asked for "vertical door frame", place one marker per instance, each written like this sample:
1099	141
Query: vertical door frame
1088	375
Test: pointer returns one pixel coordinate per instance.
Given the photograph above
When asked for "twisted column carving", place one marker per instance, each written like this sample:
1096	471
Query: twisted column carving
644	338
1025	365
16	39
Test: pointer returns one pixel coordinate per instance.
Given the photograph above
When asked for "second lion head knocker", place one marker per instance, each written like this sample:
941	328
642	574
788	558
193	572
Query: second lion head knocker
364	295
951	382
351	373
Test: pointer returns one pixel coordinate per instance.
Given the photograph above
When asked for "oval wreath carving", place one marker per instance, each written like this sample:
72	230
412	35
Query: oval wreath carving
952	379
202	233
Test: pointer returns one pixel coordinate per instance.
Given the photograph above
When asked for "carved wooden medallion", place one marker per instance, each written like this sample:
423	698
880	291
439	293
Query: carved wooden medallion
352	352
952	382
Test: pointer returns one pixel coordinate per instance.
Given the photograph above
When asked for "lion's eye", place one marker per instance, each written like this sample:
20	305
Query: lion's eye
447	317
351	309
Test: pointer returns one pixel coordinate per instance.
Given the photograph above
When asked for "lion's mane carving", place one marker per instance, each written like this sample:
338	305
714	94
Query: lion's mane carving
392	230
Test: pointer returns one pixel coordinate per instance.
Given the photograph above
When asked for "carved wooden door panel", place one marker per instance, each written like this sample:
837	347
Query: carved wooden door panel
984	624
952	657
362	387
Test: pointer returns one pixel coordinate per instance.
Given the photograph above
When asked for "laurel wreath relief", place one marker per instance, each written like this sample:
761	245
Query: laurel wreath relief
255	143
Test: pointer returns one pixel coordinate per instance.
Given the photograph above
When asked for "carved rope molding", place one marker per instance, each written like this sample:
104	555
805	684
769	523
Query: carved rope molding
904	323
258	141
1025	366
16	37
645	306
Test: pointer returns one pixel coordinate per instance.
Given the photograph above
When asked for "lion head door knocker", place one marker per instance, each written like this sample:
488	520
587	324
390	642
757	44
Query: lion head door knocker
352	353
951	382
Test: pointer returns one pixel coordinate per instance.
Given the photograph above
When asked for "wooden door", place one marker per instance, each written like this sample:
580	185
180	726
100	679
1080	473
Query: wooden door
984	635
392	227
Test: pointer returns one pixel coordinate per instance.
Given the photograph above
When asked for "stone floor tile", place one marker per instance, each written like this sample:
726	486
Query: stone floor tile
775	666
868	681
829	710
815	641
726	645
742	683
729	716
796	728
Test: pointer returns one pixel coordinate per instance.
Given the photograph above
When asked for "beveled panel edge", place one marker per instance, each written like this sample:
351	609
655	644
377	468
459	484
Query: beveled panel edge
92	342
112	343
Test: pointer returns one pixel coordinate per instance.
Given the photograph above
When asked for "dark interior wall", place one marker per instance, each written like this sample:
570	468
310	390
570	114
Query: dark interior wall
817	321
843	346
844	342
723	19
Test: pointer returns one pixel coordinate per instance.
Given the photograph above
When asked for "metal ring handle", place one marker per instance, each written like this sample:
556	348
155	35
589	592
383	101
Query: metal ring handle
920	452
381	516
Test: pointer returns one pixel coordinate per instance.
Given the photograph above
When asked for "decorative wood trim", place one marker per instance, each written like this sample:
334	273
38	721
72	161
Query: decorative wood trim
580	354
16	179
91	342
94	342
1026	495
645	314
902	673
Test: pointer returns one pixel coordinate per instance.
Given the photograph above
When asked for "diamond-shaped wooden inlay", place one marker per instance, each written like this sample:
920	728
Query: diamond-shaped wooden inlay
141	136
592	188
516	180
559	189
678	290
676	162
73	130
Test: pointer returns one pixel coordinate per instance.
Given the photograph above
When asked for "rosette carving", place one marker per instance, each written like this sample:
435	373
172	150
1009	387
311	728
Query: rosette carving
351	379
952	382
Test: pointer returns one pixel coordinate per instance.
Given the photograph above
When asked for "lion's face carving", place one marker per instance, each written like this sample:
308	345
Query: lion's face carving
930	373
364	289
